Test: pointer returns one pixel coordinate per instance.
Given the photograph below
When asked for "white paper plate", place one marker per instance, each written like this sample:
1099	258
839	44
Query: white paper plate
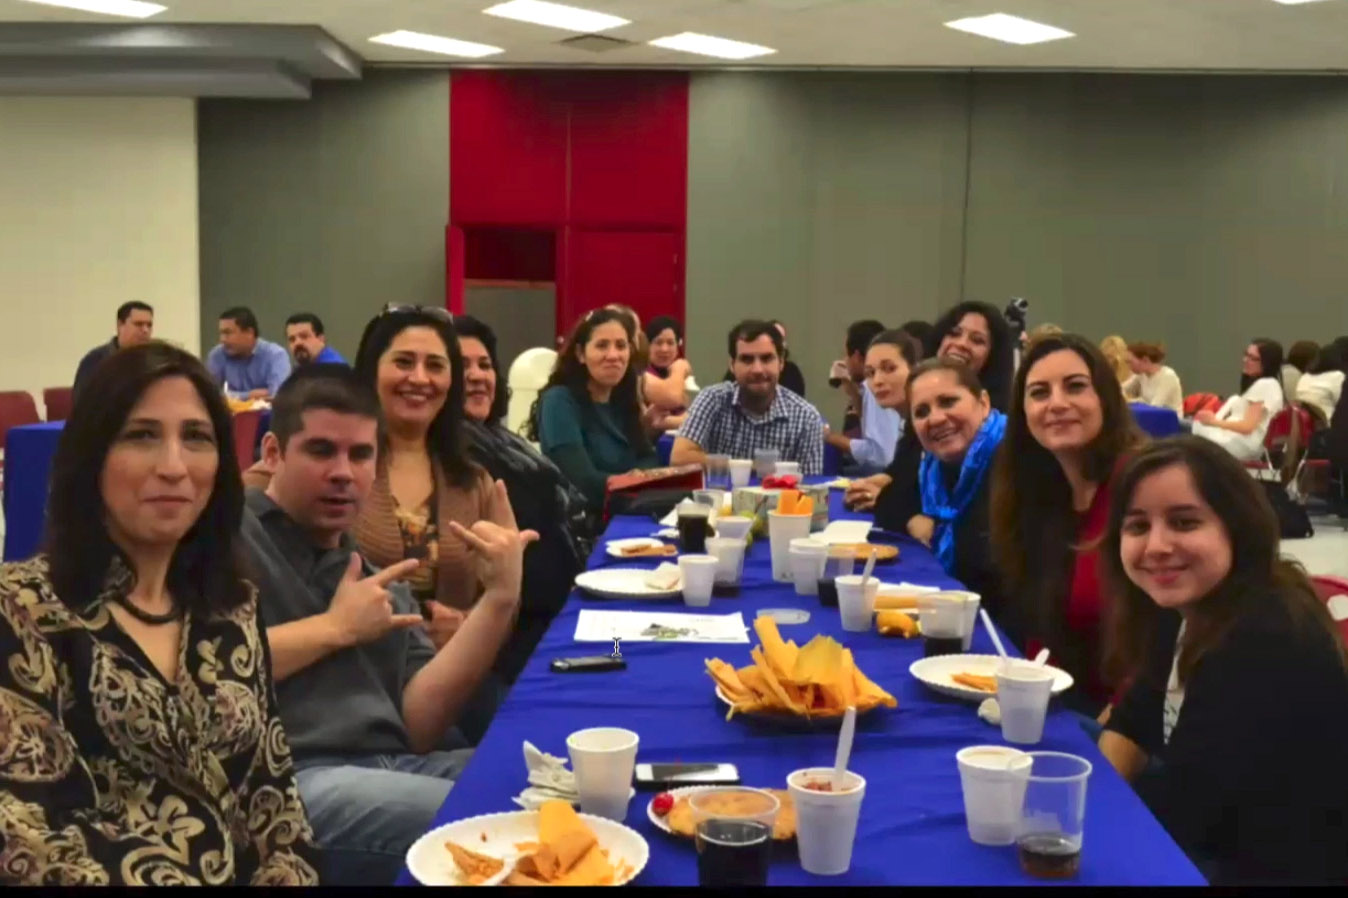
430	862
662	824
622	583
615	548
935	672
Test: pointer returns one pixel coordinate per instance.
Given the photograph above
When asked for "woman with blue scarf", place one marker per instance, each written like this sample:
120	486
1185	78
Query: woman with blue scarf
960	431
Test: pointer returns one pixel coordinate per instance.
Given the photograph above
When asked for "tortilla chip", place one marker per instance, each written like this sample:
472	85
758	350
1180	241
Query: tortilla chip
475	867
778	692
895	623
727	678
781	655
591	869
819	663
976	681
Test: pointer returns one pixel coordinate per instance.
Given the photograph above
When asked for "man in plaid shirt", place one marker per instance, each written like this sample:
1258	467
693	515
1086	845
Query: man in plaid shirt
754	412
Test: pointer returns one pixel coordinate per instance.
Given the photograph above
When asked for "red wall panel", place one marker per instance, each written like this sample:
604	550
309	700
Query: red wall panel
629	151
507	151
600	159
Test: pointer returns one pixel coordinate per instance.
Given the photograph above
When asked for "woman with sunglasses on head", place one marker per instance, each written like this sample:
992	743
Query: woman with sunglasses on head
1233	731
1067	432
588	419
542	498
1241	424
142	743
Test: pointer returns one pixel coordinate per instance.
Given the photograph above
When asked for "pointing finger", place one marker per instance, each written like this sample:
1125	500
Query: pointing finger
406	621
395	571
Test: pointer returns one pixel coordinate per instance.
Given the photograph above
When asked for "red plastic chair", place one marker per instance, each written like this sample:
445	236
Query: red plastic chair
1279	433
17	408
58	401
245	427
1333	591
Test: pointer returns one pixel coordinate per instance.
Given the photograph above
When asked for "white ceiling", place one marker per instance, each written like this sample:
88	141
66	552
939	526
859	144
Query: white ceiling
1258	35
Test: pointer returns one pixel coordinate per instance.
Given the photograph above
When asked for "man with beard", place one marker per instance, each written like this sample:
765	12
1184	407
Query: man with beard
740	418
304	336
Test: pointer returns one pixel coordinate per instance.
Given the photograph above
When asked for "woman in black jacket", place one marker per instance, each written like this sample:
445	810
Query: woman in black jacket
1240	677
541	496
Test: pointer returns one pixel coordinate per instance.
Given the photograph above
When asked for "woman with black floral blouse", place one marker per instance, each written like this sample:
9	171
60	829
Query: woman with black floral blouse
141	743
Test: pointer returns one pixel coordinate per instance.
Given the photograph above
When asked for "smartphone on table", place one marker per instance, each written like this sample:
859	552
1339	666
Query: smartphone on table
670	776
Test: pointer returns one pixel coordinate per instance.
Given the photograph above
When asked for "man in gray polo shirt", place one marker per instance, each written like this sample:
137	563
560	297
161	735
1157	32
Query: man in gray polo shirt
365	698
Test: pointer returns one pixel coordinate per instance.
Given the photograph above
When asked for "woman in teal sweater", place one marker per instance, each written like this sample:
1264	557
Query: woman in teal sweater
589	419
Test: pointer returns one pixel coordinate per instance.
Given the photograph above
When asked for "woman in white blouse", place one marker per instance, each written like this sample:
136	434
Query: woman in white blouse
1152	383
1241	423
1322	385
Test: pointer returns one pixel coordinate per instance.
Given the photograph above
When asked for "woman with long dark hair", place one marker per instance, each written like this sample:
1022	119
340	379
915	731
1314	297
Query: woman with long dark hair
668	377
410	357
1241	424
588	418
977	334
541	496
1067	432
142	742
1241	676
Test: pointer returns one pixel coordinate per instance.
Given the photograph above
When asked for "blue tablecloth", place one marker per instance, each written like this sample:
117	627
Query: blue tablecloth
28	455
912	828
832	457
1158	422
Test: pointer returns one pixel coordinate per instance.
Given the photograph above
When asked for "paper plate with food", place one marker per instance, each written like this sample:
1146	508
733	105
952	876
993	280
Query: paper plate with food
550	846
671	812
641	547
973	677
796	685
631	583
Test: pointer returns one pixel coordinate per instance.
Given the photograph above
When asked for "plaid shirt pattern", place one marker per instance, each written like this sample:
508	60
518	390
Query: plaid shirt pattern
721	426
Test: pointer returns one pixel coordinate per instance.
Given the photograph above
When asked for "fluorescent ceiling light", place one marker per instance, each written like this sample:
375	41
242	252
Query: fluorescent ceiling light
1012	29
555	15
432	43
1295	2
707	45
132	9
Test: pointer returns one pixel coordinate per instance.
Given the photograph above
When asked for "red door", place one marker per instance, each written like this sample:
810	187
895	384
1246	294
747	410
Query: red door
641	269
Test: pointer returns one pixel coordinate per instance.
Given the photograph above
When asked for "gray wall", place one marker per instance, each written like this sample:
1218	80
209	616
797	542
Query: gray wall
336	205
1201	211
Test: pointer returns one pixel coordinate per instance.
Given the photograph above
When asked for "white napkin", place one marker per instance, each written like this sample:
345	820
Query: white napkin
666	576
548	780
990	711
845	532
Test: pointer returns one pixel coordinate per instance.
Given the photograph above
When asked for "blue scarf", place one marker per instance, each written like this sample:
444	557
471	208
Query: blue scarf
947	508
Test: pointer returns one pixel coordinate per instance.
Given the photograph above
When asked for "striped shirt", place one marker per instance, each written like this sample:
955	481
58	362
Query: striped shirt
720	425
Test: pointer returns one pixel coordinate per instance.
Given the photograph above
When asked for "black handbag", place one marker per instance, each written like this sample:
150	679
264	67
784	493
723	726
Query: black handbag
1293	522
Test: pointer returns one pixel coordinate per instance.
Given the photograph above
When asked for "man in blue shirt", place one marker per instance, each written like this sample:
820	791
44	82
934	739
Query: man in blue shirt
305	337
247	366
873	448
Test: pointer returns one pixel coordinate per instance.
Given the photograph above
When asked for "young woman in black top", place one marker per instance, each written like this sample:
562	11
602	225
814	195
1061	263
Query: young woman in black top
1240	685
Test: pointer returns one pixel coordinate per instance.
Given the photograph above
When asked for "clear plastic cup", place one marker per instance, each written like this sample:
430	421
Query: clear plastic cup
716	472
782	528
1023	691
993	779
729	554
1053	816
840	562
855	604
699	579
740	469
807	564
971	602
765	462
826	822
733	835
603	759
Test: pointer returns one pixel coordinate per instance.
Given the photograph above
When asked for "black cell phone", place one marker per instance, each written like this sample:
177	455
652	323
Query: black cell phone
589	664
666	776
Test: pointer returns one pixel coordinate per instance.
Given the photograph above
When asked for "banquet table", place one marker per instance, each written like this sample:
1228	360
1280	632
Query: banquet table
912	827
1157	422
28	455
832	457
